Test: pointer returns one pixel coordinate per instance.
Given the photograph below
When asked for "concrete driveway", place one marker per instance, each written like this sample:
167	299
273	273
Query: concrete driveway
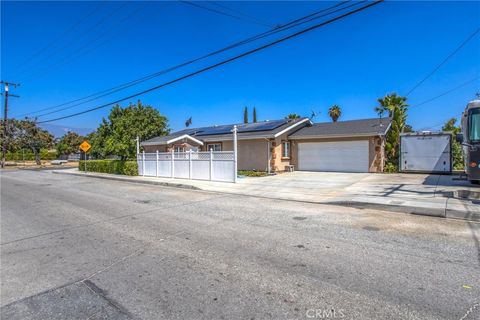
302	185
326	186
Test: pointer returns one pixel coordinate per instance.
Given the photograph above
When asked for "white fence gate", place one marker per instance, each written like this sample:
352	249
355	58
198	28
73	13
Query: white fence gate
213	165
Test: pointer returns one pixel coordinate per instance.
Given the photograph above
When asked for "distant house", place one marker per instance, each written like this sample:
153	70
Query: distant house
344	146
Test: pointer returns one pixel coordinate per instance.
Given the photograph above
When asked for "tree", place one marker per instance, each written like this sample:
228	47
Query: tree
68	143
293	116
116	135
254	115
245	115
408	128
26	134
396	108
334	112
457	155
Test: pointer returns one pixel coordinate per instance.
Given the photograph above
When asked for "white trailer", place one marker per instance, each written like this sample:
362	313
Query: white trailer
426	152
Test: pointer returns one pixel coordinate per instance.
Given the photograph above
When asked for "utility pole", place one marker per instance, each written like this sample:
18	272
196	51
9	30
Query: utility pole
6	94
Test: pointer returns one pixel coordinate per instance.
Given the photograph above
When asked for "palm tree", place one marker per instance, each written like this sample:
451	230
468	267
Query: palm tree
334	112
293	116
391	103
379	110
396	107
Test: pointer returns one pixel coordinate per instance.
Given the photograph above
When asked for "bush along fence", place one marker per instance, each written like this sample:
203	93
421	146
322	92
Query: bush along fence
128	168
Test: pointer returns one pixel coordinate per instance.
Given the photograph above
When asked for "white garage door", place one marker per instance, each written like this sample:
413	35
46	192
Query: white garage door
341	156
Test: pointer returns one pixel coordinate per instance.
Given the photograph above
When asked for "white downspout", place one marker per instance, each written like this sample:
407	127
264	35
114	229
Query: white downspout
268	155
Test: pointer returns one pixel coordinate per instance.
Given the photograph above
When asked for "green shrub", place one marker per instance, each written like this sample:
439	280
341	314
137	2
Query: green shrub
28	155
252	173
128	168
48	155
390	168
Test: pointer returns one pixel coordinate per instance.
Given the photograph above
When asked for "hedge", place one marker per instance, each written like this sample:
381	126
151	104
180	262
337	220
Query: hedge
28	155
128	168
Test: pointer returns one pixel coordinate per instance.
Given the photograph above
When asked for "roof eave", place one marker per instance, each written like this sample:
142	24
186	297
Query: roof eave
364	135
152	143
185	136
296	124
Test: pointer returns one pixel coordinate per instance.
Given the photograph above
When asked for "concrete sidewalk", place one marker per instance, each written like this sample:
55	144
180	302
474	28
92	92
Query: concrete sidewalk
432	195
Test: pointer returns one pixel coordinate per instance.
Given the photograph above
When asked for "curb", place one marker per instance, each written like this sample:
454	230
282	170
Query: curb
422	211
462	215
157	183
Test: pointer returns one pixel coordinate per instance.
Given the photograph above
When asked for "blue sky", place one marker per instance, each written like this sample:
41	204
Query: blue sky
352	62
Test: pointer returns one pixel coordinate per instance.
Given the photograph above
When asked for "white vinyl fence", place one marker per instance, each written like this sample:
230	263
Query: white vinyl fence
213	165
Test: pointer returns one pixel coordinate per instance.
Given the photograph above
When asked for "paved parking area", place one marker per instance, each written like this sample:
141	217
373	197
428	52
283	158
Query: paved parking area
327	184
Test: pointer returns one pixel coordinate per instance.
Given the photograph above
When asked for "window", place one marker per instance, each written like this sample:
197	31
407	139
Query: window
214	147
179	149
474	125
286	149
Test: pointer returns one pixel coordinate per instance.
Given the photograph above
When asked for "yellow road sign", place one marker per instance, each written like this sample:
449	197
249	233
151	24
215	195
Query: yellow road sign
85	146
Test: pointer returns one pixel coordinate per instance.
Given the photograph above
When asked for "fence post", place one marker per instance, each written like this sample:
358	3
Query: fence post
85	159
172	167
156	164
211	164
235	154
138	144
190	164
143	163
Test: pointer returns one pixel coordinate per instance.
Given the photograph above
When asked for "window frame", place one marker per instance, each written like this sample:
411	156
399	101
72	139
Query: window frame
471	114
179	147
214	144
286	146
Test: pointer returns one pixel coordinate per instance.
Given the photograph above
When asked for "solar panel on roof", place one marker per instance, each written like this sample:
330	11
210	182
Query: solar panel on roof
216	130
244	127
261	126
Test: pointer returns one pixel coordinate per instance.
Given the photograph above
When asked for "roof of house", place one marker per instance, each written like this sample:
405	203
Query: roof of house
351	128
263	129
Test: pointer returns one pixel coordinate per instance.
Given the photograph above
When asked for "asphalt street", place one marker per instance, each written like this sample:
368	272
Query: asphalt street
84	248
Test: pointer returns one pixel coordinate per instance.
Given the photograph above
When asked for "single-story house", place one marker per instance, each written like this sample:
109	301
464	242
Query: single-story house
344	146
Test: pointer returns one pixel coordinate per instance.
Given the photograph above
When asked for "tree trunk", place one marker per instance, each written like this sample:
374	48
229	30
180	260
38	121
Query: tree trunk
36	153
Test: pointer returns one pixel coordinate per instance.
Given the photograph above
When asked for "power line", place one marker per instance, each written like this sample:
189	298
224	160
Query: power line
223	13
470	37
63	34
441	95
447	92
298	33
69	44
263	35
85	47
221	5
439	124
281	28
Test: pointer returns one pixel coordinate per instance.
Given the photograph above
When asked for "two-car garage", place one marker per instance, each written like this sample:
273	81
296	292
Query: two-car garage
344	146
341	156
